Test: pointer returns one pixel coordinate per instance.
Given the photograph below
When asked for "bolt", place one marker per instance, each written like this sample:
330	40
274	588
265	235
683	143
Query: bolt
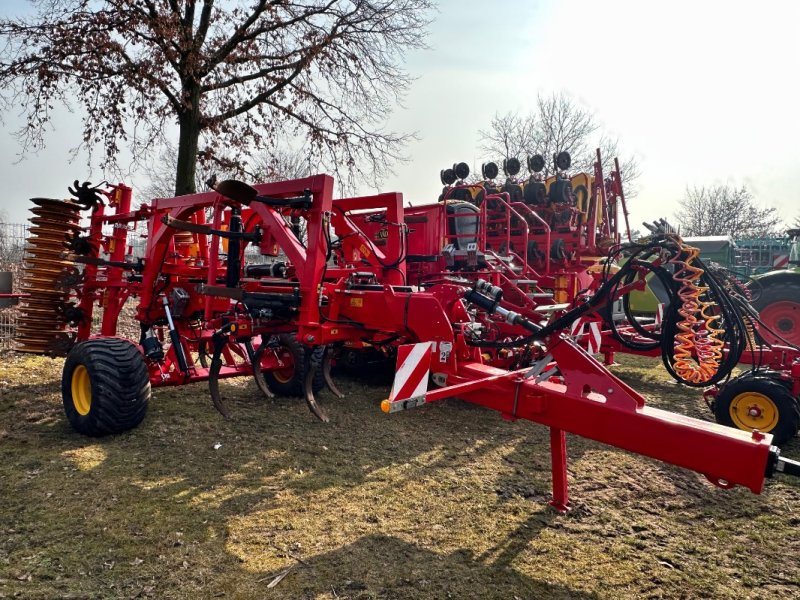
310	339
754	411
757	435
610	390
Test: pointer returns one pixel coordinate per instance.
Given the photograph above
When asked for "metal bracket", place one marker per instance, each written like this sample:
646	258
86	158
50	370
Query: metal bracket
537	368
406	404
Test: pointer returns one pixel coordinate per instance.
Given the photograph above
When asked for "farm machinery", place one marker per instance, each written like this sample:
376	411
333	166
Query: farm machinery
776	297
449	287
551	243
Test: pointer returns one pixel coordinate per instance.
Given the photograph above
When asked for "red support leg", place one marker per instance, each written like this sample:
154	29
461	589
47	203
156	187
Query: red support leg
608	358
558	455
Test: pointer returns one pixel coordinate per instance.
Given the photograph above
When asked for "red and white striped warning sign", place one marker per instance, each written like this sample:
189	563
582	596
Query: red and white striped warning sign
577	327
659	313
593	339
411	378
781	261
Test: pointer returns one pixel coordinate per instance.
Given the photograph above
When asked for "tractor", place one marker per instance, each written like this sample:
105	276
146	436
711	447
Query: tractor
776	295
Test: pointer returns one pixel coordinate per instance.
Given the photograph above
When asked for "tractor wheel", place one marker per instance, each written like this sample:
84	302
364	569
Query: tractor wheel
288	381
759	402
105	387
779	308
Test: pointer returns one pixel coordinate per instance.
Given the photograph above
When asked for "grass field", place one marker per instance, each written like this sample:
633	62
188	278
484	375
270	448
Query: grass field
446	501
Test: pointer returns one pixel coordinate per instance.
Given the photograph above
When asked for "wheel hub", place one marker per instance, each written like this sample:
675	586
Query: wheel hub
784	319
753	410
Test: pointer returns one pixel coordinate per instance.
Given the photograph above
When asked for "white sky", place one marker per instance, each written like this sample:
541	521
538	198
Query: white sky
701	92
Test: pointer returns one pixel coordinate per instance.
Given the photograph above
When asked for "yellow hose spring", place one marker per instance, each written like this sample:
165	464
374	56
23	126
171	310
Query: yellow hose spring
750	334
698	343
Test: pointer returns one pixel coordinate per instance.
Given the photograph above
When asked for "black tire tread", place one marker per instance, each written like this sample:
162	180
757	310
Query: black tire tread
120	386
788	406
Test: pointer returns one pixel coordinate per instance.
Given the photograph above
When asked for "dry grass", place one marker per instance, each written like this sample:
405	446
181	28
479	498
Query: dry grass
447	501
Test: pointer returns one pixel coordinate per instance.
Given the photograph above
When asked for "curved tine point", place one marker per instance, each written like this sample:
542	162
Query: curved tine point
308	394
258	375
213	388
326	375
218	402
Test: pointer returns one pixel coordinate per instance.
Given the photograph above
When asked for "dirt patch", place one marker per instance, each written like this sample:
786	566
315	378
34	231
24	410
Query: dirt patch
447	501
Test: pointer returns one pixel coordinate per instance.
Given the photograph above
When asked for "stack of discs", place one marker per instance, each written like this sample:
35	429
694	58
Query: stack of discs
41	326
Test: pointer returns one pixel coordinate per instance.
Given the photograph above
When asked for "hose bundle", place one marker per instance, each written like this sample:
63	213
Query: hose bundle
707	324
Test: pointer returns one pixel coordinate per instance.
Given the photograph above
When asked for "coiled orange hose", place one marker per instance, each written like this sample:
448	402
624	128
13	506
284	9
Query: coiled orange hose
698	343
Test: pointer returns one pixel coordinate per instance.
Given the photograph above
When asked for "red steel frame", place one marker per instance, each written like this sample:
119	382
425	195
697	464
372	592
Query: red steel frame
584	398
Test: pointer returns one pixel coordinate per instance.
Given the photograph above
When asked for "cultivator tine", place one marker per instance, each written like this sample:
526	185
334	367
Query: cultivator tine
326	375
310	369
213	375
255	362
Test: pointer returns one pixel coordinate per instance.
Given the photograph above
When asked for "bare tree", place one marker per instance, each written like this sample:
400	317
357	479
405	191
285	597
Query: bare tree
161	173
282	163
557	123
234	76
726	210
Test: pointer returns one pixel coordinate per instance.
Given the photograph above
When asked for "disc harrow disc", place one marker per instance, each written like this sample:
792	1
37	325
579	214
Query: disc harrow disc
42	327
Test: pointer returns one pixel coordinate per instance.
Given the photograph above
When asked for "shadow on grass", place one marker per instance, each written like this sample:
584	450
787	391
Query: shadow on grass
380	566
172	501
80	513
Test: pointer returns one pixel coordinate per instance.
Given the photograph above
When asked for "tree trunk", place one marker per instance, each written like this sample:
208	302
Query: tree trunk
189	122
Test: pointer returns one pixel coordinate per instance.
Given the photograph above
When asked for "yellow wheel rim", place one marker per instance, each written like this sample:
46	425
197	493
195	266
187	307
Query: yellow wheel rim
81	390
751	410
283	376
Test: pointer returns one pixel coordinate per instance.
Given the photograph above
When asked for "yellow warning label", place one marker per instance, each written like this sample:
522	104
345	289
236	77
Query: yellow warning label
364	250
356	302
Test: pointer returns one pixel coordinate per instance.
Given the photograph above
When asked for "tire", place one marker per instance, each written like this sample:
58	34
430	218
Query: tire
778	306
289	382
105	387
774	409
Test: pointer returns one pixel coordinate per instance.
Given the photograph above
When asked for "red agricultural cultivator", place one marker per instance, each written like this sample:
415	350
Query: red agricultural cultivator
482	295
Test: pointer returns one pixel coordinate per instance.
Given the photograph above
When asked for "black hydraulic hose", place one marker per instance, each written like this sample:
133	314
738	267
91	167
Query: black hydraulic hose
234	266
723	293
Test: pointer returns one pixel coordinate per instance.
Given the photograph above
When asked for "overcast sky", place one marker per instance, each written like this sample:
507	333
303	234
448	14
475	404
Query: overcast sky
700	92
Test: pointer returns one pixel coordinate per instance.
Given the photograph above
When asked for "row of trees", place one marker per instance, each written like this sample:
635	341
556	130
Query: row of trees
727	210
556	123
315	79
239	79
305	85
